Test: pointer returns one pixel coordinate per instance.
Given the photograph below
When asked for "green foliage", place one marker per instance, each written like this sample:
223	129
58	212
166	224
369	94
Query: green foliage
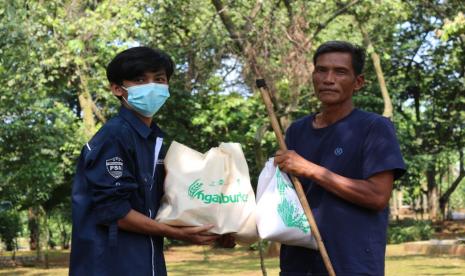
426	75
453	28
10	228
409	230
203	122
59	226
54	52
36	150
260	243
457	201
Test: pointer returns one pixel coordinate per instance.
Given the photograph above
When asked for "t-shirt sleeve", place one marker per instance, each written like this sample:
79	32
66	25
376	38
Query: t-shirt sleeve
110	173
381	151
287	137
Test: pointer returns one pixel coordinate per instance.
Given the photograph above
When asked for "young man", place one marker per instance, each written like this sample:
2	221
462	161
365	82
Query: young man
119	179
347	160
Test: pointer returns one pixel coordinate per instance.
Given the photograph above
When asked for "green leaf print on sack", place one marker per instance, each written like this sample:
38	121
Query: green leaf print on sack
281	183
289	212
194	188
195	191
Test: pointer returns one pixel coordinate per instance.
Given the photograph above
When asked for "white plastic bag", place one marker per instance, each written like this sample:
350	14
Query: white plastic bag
210	188
279	214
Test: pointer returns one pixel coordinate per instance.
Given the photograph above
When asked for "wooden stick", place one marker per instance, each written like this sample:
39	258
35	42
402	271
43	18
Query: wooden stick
298	186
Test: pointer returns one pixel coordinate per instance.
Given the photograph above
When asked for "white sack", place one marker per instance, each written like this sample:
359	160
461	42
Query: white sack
210	188
279	214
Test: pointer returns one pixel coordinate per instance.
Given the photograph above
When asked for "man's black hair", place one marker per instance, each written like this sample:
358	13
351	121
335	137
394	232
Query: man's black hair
357	53
135	61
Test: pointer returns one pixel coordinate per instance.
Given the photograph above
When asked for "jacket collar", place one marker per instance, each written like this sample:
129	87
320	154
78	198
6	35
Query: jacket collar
141	128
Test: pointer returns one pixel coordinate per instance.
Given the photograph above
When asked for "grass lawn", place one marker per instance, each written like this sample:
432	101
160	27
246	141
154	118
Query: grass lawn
198	260
400	263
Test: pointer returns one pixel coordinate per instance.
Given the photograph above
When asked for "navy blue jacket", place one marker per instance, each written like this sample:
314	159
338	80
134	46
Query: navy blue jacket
116	173
358	146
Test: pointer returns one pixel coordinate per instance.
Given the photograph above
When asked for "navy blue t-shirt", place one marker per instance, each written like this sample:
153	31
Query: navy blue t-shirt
358	146
117	171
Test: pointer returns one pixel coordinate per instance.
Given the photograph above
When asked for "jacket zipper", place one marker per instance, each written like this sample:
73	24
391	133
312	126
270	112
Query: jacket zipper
151	243
158	144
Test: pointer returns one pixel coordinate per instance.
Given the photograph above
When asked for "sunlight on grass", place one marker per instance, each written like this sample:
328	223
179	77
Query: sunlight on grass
400	263
199	260
29	271
239	261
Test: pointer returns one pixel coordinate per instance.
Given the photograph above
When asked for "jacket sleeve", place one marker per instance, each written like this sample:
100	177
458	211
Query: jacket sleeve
110	172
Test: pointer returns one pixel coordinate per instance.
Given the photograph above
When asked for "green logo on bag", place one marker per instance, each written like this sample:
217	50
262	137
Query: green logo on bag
196	191
288	210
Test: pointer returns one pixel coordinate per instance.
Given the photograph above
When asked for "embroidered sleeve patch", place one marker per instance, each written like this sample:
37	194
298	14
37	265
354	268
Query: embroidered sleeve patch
115	167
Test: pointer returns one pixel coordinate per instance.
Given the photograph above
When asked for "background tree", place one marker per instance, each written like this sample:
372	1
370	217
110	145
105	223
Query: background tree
428	73
54	92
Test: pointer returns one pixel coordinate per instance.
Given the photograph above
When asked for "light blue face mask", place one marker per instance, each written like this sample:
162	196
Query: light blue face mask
148	98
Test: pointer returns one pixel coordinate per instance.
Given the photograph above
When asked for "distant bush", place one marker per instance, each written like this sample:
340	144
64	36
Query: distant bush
10	228
409	230
255	246
167	243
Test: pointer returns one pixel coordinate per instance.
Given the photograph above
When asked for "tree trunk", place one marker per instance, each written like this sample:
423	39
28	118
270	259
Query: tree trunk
259	158
33	224
10	246
379	71
76	9
444	199
87	116
64	238
13	256
249	53
87	104
433	199
273	250
424	204
393	210
47	241
262	259
191	70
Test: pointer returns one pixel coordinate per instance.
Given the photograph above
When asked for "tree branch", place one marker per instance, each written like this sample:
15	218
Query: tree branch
288	5
256	9
253	14
378	69
323	25
445	197
227	21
